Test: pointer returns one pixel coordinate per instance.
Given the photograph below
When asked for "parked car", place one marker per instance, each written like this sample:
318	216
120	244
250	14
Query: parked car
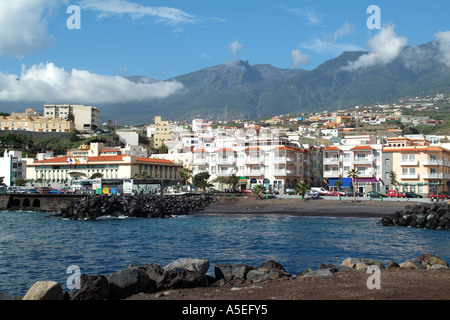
313	193
440	195
290	192
352	194
321	191
335	193
44	189
32	191
247	191
412	195
395	194
375	194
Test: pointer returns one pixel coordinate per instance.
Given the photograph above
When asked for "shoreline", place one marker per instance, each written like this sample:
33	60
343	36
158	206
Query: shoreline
311	207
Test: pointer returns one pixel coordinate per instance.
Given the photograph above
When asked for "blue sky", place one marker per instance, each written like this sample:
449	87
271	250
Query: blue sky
166	38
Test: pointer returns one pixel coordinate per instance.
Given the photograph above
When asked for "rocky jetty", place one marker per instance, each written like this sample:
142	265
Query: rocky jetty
141	206
428	215
192	273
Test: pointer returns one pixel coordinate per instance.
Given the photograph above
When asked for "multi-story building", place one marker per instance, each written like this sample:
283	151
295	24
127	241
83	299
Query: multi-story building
12	167
35	124
86	118
110	163
362	153
276	164
162	132
419	166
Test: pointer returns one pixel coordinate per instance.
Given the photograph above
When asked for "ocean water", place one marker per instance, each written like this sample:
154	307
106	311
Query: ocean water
35	247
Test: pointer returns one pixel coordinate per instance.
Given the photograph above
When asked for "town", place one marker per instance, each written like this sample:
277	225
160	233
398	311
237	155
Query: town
399	149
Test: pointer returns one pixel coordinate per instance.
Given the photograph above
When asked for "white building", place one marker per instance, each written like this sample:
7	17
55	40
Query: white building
86	118
12	167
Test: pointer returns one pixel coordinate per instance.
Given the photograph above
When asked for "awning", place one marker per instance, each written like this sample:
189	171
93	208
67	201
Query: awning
368	180
346	182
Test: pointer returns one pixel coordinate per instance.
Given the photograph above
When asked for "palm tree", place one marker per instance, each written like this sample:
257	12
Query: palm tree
258	190
354	174
186	174
302	188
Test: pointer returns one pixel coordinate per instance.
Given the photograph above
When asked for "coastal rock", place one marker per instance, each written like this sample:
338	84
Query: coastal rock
182	278
267	270
201	265
229	272
413	264
361	264
431	260
126	282
92	288
319	273
45	290
393	265
430	216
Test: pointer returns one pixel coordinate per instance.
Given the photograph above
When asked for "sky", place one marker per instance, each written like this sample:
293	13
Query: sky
79	51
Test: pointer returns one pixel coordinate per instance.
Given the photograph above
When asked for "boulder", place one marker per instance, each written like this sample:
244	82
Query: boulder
126	282
350	262
267	270
190	264
319	273
230	272
91	288
393	265
45	290
431	259
182	278
413	264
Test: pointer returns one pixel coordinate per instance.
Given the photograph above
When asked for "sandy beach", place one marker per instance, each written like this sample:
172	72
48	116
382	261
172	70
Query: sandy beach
396	283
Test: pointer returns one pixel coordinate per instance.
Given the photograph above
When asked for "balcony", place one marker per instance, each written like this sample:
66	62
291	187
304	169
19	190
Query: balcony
433	176
432	163
253	173
331	161
283	160
253	160
366	160
409	176
224	173
199	162
284	173
227	161
407	163
331	174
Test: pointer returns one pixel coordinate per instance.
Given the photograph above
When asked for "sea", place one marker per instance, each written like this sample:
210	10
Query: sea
34	246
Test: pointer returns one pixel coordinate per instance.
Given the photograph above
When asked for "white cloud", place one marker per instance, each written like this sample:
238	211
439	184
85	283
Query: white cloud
107	8
330	47
235	47
23	26
298	58
309	14
346	29
386	46
49	83
443	37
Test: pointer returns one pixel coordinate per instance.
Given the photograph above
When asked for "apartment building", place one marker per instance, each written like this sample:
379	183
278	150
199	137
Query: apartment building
86	118
362	153
276	164
35	124
162	132
12	167
420	166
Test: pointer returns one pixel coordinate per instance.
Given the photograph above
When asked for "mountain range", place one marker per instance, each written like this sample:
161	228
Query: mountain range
240	90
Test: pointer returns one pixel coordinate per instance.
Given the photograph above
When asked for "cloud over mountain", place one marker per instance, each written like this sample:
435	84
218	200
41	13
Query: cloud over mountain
385	47
47	82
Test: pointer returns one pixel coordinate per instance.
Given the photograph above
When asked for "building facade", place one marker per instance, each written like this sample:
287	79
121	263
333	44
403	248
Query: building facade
86	118
162	132
35	124
12	167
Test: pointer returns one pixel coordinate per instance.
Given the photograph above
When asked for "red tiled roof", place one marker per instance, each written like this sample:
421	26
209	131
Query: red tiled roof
332	149
362	148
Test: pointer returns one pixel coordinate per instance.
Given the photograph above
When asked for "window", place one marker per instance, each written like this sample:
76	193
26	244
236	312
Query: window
412	157
387	162
432	157
405	158
405	171
412	171
362	170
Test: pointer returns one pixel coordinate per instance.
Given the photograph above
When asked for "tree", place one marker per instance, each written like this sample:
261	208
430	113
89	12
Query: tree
302	188
142	175
258	190
163	149
201	180
354	174
97	175
338	184
393	177
186	174
20	182
233	181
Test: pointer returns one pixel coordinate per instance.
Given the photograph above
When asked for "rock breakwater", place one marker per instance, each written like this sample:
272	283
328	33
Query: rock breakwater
428	215
141	206
188	273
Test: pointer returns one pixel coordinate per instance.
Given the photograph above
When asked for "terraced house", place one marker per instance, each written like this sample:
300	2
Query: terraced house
420	166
